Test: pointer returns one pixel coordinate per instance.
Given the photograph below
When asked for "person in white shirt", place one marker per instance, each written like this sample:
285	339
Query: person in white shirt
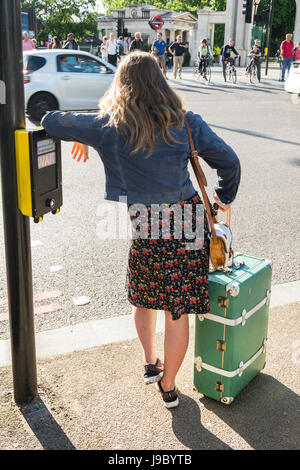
112	47
104	49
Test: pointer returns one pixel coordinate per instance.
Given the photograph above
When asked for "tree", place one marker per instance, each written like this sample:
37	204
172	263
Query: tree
59	17
283	20
177	5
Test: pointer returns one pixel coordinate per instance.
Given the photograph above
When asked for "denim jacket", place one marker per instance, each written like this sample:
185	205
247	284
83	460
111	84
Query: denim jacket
162	177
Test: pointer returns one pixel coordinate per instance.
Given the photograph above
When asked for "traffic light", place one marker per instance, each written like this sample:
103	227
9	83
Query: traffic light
247	10
31	19
120	26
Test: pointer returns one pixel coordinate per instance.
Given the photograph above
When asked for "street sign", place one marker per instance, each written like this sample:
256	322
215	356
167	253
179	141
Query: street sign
156	22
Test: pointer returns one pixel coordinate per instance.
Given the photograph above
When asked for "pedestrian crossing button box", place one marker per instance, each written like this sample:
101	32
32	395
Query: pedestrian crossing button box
38	161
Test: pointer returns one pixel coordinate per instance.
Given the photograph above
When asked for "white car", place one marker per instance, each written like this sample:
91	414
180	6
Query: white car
292	84
64	79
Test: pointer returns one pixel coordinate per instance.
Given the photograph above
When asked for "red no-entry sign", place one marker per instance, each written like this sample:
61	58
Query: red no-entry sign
156	22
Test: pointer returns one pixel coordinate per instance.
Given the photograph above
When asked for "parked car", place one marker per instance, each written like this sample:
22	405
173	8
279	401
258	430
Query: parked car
292	84
65	80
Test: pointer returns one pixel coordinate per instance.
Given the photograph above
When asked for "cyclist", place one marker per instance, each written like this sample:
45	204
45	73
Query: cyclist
227	51
203	56
255	55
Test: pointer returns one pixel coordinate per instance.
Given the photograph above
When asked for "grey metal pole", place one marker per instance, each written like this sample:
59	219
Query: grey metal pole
271	12
16	226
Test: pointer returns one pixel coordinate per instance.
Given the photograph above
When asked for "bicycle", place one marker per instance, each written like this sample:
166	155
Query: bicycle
230	71
198	74
253	72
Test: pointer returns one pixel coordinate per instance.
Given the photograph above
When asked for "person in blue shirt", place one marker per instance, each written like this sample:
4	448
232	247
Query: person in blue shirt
159	49
140	134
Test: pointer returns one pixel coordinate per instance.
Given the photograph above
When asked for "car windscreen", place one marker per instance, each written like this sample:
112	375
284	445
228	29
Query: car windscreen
33	63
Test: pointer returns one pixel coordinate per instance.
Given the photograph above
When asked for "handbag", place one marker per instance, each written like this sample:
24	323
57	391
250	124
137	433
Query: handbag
220	249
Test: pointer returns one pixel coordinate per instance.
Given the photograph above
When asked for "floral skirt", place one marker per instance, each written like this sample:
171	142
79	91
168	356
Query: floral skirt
169	273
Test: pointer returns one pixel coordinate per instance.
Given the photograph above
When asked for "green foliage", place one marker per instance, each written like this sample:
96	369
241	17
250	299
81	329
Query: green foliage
283	20
177	5
64	16
186	59
219	35
217	50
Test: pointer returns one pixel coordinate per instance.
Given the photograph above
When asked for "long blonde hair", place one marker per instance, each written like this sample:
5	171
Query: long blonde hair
140	100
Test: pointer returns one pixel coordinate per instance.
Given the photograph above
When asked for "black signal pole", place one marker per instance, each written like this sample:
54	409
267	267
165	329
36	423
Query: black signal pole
16	226
271	12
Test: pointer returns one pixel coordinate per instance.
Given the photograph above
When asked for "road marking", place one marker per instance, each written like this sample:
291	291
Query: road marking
53	294
37	310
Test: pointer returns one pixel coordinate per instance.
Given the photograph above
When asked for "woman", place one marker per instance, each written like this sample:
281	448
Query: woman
104	49
297	51
27	44
141	137
56	44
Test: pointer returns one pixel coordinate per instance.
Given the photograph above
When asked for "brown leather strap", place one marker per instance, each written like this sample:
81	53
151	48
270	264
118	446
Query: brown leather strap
194	159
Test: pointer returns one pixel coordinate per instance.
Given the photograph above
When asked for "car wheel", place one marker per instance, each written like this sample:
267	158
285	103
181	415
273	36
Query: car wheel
39	104
295	98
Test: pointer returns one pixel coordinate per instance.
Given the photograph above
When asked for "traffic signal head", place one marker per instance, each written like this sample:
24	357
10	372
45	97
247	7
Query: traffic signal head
248	10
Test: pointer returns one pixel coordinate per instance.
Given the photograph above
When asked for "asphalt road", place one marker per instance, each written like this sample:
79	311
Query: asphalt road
262	126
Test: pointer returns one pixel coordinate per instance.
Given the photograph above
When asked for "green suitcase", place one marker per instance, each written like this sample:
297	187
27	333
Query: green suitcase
230	341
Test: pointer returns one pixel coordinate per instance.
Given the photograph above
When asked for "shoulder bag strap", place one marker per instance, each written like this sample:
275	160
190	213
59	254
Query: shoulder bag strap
194	159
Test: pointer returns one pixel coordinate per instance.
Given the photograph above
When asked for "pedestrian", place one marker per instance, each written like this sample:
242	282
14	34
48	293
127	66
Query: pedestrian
227	51
203	56
34	43
122	46
137	43
287	53
159	49
210	51
297	51
27	43
142	140
177	49
112	48
55	43
70	42
104	50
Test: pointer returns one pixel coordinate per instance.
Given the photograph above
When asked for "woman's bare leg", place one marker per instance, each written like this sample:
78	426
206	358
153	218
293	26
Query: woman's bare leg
145	323
176	343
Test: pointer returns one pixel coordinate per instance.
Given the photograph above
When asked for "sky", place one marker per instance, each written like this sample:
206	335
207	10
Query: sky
100	6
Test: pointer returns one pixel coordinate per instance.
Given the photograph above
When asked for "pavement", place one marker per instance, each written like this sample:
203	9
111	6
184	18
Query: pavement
96	399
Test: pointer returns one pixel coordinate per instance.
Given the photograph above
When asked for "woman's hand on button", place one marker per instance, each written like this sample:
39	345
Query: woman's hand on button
222	207
79	150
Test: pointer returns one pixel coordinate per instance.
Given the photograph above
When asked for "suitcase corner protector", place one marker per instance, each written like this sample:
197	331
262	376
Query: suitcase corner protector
227	400
233	288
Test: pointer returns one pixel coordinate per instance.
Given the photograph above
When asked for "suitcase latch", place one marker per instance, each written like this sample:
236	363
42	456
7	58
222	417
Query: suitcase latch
223	302
219	387
221	345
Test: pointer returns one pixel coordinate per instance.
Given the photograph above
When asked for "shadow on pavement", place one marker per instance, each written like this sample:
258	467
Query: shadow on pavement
295	161
197	90
255	134
45	427
266	414
188	429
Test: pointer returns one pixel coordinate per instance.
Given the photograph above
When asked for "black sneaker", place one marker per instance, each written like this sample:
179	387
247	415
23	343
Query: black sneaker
153	373
170	398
